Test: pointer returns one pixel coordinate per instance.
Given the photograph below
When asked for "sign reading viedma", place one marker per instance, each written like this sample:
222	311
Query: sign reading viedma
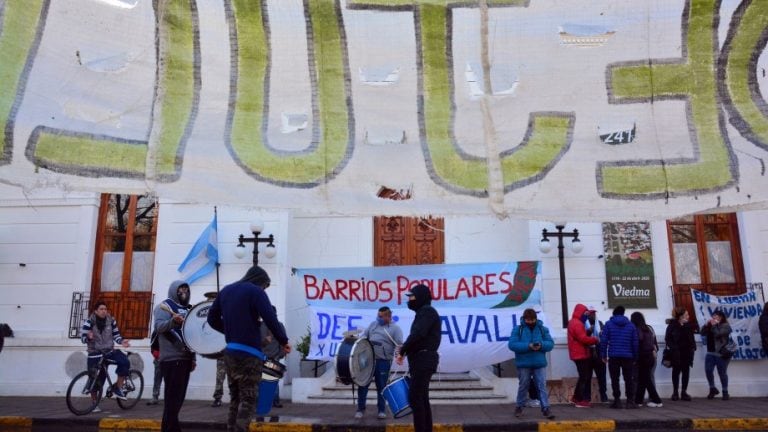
629	265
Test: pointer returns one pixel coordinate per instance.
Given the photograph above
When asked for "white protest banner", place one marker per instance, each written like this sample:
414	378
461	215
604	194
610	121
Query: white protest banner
479	305
743	313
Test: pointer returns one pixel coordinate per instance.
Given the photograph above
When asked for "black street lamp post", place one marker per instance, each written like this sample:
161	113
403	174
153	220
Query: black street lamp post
545	247
256	228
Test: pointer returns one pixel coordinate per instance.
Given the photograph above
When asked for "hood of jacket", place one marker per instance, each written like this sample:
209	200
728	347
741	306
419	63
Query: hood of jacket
257	276
620	320
578	311
173	292
421	296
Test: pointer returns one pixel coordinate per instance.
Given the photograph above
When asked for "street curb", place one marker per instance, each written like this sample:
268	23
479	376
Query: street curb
270	425
730	424
13	421
577	425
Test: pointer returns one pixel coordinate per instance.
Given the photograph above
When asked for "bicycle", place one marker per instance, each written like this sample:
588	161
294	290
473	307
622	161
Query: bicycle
86	389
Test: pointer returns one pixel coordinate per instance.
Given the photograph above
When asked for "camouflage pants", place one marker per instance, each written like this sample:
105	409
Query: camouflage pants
221	373
244	377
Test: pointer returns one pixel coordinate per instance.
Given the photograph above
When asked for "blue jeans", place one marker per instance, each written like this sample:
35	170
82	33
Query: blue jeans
540	380
710	362
117	356
380	376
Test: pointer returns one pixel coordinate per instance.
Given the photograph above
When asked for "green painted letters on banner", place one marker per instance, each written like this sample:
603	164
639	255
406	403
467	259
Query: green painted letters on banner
693	79
176	108
737	70
246	134
21	30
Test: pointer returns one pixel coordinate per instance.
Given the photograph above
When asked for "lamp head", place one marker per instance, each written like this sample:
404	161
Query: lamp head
545	245
257	226
240	251
576	245
270	251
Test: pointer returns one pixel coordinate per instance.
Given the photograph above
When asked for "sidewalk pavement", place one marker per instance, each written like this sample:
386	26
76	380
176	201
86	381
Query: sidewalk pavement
700	414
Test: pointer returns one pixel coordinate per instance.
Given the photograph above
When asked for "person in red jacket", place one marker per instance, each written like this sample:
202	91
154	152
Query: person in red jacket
578	349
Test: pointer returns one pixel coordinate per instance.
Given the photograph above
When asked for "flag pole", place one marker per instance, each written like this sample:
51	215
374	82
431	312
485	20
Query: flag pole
215	214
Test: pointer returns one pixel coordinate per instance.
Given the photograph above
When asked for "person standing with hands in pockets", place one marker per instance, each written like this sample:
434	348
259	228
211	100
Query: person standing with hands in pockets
421	349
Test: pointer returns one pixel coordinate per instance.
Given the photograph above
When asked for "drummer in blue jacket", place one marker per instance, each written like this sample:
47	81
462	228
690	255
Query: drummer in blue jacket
385	336
531	341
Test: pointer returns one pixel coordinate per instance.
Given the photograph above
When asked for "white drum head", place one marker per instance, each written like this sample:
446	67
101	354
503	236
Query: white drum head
362	362
198	335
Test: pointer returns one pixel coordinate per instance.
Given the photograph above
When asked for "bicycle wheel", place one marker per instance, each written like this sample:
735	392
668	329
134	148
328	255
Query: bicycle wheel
83	394
133	388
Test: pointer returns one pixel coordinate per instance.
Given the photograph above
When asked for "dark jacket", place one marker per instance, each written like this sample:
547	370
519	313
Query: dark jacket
237	312
270	346
425	329
764	328
521	338
681	343
578	340
619	339
648	346
717	336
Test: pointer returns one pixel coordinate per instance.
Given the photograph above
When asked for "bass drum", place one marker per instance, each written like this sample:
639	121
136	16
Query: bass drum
201	337
355	362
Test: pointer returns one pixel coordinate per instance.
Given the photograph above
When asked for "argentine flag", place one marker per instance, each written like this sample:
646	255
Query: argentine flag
203	257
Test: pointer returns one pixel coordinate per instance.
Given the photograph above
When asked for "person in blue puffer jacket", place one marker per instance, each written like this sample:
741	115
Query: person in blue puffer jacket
531	341
619	347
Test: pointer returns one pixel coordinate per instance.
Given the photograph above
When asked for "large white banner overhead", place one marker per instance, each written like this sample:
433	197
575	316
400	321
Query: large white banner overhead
479	305
545	109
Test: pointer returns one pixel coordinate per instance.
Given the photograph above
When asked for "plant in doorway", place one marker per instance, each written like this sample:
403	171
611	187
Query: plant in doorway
307	367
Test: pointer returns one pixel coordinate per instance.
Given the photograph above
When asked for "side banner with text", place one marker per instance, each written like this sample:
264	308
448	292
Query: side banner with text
629	265
743	313
479	305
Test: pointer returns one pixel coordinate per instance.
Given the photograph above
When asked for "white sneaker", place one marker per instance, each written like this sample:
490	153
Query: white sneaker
96	410
381	416
359	415
655	405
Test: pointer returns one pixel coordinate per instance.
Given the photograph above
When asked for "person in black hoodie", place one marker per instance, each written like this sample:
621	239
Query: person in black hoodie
682	345
421	349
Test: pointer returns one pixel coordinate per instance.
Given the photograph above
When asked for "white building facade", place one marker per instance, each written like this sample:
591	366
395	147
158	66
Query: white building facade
47	255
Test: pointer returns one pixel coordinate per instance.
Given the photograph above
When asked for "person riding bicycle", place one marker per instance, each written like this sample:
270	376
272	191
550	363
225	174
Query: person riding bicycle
101	333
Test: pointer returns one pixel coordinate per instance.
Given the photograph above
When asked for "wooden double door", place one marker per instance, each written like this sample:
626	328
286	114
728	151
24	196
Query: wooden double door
401	240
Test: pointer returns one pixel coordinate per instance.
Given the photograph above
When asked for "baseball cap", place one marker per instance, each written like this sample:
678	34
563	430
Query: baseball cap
591	308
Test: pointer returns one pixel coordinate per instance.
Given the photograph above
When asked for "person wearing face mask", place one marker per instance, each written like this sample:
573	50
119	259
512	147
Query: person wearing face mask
421	350
239	311
385	336
679	339
531	341
176	360
579	352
